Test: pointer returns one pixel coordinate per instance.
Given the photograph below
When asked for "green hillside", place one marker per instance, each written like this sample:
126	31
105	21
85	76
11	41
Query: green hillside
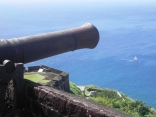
75	90
114	99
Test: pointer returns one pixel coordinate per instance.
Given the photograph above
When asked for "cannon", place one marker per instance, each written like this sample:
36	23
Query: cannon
32	48
18	51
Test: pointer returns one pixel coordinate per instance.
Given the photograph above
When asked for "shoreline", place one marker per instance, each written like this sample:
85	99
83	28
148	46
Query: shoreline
82	88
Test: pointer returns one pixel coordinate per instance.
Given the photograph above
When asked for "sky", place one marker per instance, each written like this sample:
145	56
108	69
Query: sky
33	2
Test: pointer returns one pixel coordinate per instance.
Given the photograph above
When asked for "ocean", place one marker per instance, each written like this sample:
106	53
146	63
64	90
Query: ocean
126	30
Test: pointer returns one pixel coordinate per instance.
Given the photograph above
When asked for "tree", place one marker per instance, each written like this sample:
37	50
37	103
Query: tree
142	109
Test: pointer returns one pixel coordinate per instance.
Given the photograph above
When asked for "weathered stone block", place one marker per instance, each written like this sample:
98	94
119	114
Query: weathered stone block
75	109
60	104
48	112
31	91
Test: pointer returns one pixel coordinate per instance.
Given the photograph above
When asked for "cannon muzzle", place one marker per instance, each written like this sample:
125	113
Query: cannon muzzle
35	47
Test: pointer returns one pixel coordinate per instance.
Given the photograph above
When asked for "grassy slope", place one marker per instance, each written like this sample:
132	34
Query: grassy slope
117	100
75	90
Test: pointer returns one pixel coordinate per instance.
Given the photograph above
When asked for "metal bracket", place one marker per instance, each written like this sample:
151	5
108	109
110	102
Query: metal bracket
10	71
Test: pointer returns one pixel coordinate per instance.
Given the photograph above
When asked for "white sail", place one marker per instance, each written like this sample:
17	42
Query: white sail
135	58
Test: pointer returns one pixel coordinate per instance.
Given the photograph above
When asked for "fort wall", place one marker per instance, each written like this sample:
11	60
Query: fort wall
44	101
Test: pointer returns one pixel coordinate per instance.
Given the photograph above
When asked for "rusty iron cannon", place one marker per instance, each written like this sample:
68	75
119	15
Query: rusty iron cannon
18	51
32	48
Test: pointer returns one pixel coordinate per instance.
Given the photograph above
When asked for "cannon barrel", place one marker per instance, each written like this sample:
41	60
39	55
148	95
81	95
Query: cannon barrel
35	47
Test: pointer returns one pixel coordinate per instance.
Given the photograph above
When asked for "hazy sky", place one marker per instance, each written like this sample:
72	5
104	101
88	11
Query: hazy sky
31	2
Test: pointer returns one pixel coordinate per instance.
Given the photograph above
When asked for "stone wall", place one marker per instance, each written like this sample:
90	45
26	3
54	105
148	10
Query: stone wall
37	100
44	101
58	79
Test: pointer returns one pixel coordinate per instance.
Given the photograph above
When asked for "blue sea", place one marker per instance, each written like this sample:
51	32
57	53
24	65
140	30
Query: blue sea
127	29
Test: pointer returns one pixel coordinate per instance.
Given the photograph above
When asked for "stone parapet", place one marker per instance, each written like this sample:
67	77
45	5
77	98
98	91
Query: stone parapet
44	101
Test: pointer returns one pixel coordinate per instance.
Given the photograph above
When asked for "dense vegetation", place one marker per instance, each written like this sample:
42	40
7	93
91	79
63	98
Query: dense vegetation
127	105
115	99
75	90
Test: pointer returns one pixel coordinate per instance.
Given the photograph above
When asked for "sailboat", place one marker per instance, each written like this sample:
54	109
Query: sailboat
135	58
